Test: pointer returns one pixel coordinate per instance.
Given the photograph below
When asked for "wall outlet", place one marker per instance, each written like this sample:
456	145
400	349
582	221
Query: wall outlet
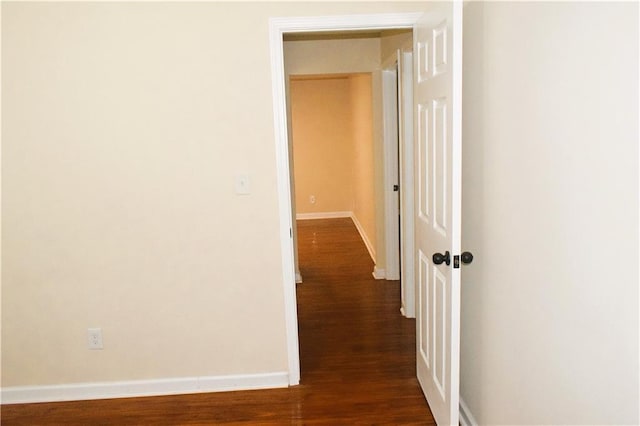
312	199
94	338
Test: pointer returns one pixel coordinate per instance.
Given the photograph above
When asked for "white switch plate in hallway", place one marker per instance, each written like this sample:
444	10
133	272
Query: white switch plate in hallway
242	184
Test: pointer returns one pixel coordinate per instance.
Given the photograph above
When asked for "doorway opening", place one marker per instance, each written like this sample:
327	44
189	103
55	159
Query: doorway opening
279	27
437	98
388	160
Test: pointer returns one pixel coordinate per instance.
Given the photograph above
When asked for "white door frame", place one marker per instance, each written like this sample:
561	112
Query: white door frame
390	170
277	28
397	104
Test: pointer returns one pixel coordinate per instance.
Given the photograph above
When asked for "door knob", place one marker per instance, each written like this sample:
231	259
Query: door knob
439	258
466	257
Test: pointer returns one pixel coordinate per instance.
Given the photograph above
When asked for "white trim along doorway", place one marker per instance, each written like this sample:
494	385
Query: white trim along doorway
277	28
397	101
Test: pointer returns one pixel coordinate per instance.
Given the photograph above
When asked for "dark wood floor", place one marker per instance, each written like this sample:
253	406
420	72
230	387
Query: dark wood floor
357	357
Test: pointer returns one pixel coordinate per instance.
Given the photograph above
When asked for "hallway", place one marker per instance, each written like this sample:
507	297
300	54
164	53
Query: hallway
354	344
357	357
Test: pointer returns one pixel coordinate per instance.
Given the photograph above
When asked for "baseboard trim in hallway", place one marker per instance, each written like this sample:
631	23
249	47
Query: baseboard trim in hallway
322	215
466	418
379	273
365	238
137	388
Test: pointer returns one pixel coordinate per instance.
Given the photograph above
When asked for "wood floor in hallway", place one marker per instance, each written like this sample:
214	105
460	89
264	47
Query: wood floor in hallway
357	357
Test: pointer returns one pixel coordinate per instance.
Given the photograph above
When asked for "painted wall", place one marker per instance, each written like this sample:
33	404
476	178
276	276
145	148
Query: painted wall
392	40
550	199
333	148
323	146
350	55
363	171
343	55
123	127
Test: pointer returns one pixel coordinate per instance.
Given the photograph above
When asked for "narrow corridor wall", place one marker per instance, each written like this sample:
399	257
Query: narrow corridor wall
332	137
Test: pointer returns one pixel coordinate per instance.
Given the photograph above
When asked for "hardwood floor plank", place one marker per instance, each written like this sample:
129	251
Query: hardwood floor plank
357	357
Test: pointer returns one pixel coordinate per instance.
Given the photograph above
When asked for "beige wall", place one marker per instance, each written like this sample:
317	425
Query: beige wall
322	144
118	203
392	40
124	125
378	161
333	147
364	206
550	198
350	55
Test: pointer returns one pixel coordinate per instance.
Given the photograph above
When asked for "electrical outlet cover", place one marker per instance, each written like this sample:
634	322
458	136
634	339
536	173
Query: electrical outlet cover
94	336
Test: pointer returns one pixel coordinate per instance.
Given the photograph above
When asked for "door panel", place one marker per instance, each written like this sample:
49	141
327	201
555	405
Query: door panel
424	158
439	135
423	326
437	98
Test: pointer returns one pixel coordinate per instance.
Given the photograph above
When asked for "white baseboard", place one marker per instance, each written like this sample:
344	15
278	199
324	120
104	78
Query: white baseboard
322	215
365	237
405	312
379	273
466	418
182	385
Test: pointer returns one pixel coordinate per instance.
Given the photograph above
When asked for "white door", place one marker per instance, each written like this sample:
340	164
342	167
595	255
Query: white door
437	100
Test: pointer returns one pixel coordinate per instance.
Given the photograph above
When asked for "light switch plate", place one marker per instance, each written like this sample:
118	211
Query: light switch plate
242	184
